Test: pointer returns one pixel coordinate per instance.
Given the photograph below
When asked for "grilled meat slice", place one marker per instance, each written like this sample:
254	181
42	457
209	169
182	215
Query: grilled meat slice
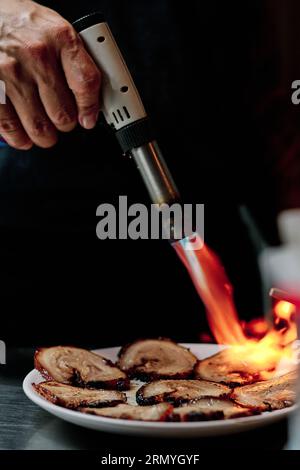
273	394
179	391
141	413
75	397
207	409
236	366
156	359
79	367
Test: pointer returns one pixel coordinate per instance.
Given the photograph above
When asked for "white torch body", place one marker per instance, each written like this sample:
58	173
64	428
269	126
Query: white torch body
123	109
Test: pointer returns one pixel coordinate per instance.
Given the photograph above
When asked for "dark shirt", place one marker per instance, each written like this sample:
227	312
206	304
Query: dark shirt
199	70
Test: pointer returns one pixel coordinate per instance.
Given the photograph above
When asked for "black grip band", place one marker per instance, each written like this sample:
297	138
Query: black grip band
135	135
87	21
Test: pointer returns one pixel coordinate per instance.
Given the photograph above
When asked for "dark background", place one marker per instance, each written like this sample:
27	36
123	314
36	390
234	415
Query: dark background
215	78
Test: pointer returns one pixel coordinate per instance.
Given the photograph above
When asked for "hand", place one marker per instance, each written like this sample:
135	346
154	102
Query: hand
51	81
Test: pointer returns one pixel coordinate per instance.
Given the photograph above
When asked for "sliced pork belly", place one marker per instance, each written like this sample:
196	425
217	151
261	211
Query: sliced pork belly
179	391
75	397
156	359
236	366
75	366
141	413
207	409
269	395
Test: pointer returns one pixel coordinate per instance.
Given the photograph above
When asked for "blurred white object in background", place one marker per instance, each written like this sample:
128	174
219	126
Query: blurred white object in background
280	266
289	226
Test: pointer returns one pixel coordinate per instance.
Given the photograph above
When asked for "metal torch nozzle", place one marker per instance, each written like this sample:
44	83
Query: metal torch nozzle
155	174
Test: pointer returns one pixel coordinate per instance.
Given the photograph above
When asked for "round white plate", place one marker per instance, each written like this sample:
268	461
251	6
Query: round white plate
157	429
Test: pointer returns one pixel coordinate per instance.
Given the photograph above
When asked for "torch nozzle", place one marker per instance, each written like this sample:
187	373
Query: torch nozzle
155	174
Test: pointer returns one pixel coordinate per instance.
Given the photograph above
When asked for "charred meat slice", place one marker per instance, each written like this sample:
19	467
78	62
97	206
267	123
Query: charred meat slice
75	397
156	359
236	366
80	367
207	409
179	391
274	394
140	413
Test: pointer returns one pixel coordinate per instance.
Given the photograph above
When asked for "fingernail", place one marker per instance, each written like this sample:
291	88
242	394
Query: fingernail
89	122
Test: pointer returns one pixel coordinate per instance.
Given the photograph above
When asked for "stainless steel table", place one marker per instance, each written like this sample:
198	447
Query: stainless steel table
23	426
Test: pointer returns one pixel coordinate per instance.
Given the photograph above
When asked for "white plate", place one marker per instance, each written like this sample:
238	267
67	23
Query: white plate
140	428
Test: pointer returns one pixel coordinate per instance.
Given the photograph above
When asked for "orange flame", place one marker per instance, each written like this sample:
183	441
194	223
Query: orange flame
284	309
215	290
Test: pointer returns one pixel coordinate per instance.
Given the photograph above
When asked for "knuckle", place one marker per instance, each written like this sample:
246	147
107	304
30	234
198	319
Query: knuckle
11	129
66	34
9	68
9	125
63	118
37	50
88	109
89	82
40	127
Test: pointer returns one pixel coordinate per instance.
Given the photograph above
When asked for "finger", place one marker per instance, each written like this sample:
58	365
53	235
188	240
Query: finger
82	75
26	101
11	128
55	95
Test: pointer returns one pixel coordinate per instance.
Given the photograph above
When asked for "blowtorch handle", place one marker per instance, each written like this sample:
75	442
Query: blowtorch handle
123	108
121	102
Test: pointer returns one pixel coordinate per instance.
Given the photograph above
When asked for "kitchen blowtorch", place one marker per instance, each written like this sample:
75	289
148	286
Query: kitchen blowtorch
124	111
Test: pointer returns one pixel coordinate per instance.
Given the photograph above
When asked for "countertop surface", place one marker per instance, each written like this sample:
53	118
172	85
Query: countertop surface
24	426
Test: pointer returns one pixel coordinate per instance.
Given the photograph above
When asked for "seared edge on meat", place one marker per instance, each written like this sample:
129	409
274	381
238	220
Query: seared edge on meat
273	394
75	397
179	391
207	409
158	412
151	359
75	366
